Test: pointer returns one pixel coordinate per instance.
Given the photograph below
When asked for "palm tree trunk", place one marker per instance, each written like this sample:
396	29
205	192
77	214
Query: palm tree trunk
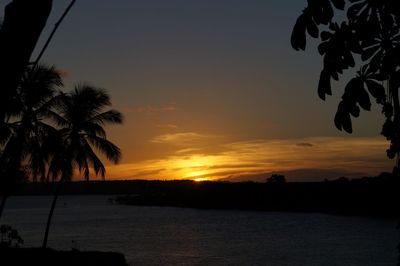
50	217
3	203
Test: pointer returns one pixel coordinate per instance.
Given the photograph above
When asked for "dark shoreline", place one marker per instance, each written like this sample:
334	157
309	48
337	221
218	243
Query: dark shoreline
372	199
376	197
51	257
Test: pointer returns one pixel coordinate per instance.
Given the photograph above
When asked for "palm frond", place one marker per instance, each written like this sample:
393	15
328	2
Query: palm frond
55	117
108	117
111	151
5	133
48	105
79	155
39	85
60	166
37	165
85	95
95	161
93	129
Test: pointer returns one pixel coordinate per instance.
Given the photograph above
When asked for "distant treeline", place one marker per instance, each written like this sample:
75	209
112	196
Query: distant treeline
373	196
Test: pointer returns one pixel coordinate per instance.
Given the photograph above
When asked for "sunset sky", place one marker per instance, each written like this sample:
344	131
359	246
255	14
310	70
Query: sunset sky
212	90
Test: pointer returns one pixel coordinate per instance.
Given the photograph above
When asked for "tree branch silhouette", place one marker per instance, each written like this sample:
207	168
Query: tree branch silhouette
56	25
367	36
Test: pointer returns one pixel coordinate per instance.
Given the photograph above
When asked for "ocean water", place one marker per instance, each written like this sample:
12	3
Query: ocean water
179	236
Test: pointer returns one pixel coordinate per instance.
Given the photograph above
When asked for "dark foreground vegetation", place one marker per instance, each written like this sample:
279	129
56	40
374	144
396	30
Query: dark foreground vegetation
369	196
50	257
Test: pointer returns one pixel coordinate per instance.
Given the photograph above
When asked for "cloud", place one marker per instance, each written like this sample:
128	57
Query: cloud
361	155
234	166
138	170
304	175
304	145
184	139
188	151
256	159
171	126
146	174
177	137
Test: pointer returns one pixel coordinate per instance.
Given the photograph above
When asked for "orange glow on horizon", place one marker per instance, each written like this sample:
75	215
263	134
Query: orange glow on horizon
201	179
194	167
254	160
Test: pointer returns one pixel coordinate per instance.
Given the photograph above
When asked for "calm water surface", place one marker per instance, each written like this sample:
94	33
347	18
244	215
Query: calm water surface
177	236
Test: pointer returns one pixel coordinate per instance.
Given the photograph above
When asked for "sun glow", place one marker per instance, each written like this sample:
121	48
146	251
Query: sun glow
201	179
252	160
195	174
195	166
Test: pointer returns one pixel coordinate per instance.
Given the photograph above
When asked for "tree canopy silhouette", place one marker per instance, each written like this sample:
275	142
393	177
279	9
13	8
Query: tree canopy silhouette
20	30
26	128
21	88
363	34
48	131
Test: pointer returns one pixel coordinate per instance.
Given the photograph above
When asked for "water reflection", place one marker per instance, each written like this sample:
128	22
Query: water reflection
175	236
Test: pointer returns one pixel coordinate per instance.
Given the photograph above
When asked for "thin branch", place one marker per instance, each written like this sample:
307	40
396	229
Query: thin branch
52	33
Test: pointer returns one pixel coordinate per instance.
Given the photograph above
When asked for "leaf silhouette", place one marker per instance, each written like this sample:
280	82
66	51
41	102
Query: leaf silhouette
368	53
324	85
342	118
339	4
298	39
363	99
355	92
354	110
321	11
377	90
312	29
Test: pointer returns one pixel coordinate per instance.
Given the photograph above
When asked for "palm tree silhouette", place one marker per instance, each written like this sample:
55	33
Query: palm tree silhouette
80	117
26	128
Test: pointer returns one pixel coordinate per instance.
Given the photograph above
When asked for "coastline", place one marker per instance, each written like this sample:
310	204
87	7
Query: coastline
374	196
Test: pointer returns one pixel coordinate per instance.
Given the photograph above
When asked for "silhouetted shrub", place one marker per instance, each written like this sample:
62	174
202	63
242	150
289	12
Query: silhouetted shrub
10	237
276	179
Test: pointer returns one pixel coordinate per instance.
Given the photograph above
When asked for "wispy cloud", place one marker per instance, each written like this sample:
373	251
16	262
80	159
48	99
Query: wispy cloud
188	151
314	158
304	175
183	138
304	145
170	126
